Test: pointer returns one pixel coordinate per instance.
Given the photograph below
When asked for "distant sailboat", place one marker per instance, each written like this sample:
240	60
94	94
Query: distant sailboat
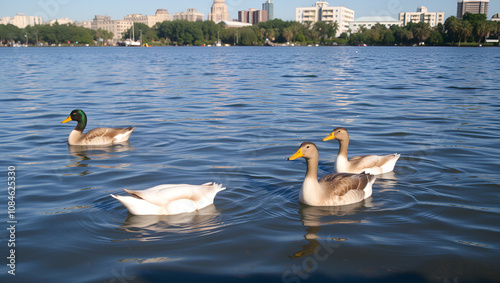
131	42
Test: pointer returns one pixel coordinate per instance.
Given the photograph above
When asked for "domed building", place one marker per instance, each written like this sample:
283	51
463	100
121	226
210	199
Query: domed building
496	18
219	12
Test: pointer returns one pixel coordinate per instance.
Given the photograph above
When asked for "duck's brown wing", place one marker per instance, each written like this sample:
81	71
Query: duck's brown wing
105	133
339	184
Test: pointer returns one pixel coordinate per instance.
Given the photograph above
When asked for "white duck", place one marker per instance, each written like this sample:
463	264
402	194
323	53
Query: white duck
170	199
372	164
334	189
97	136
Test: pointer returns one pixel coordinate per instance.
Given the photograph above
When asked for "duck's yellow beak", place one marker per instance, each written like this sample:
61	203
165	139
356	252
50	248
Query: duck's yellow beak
329	137
298	154
67	119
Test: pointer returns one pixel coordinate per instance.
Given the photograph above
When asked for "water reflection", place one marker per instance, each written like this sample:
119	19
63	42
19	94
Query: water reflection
85	153
387	181
206	221
314	217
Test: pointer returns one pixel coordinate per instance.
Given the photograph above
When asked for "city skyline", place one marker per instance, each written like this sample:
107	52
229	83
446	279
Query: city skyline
283	9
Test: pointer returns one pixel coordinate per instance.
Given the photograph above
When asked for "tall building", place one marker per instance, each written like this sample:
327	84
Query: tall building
268	6
219	12
422	15
322	12
472	6
21	21
191	15
252	16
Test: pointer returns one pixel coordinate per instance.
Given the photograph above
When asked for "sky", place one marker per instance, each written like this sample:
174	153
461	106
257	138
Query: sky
283	9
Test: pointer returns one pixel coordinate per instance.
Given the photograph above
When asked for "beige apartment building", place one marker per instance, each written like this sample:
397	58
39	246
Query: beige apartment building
160	16
191	15
117	27
21	21
422	15
321	11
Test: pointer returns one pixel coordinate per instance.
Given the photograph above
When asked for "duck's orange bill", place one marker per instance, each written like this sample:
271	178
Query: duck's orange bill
67	119
330	137
298	154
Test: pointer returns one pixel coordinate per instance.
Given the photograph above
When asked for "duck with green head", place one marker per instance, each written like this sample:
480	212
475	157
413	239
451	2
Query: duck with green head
98	136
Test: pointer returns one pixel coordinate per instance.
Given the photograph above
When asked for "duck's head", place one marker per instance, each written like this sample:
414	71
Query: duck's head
307	150
79	116
338	134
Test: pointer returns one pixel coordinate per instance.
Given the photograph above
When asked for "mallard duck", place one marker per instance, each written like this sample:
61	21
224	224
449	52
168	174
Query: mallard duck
334	189
98	136
170	199
373	164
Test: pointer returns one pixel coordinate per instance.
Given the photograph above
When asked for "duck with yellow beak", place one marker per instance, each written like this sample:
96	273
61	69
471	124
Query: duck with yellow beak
97	136
334	189
373	164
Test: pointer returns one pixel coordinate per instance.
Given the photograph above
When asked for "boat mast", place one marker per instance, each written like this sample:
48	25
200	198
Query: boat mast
133	31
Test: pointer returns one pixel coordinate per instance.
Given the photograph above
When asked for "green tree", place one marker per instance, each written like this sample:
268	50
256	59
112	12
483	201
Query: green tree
452	26
387	37
287	34
465	29
421	31
104	34
248	36
324	30
484	29
435	38
474	18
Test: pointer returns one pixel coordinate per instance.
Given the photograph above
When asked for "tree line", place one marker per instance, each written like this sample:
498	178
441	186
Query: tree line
51	34
472	28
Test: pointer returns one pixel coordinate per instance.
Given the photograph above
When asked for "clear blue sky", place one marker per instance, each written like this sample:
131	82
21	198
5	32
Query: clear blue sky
284	9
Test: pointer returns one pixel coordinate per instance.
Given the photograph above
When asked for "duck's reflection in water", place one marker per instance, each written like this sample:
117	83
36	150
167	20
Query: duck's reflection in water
314	217
96	152
386	181
206	221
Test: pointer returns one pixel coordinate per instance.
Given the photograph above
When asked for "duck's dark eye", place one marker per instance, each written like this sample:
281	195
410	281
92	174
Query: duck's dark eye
307	147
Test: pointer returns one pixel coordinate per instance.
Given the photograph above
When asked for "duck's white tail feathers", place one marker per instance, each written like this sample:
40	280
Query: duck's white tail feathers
217	187
124	135
389	166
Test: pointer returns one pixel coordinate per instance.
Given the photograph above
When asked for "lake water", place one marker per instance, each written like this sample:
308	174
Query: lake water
233	116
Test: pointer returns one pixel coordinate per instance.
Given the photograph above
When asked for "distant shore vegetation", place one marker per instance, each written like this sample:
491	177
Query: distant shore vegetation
472	30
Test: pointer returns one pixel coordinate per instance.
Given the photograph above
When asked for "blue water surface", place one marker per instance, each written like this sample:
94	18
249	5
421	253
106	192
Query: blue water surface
233	116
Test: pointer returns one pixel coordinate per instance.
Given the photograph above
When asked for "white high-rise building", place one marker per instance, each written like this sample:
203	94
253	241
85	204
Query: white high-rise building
21	21
322	12
422	15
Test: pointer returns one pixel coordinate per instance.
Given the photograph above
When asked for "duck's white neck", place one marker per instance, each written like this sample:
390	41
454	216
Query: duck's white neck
341	162
310	192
